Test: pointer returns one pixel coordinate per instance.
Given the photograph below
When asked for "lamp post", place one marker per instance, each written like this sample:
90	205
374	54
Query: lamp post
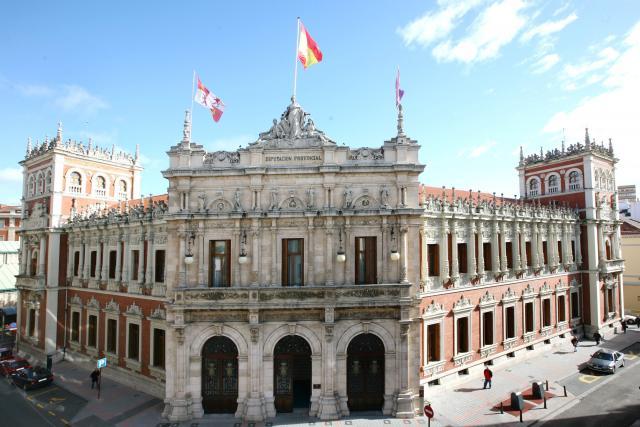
243	258
395	255
340	255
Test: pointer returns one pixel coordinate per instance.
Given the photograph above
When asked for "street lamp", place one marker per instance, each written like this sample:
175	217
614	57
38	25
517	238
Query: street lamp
340	256
243	258
395	255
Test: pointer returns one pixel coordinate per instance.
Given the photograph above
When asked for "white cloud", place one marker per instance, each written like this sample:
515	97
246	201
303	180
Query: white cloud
35	90
10	176
77	98
481	149
545	63
547	28
436	25
493	28
577	76
613	112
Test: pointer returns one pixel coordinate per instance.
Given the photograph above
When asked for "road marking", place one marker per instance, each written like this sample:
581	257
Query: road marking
57	399
631	355
588	379
52	413
65	422
41	393
40	405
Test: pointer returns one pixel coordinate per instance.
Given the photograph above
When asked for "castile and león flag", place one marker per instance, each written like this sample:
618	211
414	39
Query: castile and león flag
209	100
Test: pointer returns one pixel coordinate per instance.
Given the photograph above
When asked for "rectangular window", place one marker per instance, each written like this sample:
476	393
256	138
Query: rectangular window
134	341
486	254
159	270
462	257
463	334
575	305
527	248
544	253
487	328
32	322
33	266
528	317
292	262
560	260
135	263
610	301
510	329
112	335
75	326
366	257
76	263
94	259
158	348
562	315
433	253
433	343
546	312
509	250
449	255
113	256
573	250
92	337
219	263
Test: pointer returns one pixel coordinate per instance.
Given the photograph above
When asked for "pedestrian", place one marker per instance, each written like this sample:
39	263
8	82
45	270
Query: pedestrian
574	342
95	377
597	337
638	322
623	323
487	377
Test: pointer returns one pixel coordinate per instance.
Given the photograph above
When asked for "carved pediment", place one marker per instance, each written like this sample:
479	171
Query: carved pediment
509	295
75	300
463	304
93	304
158	314
220	205
112	307
434	309
487	299
528	291
545	289
366	153
134	310
221	158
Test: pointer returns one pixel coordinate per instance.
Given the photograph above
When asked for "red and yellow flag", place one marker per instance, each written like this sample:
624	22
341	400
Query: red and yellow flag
308	51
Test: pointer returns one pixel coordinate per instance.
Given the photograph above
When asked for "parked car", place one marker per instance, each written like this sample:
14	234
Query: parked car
30	378
630	320
606	360
8	367
6	353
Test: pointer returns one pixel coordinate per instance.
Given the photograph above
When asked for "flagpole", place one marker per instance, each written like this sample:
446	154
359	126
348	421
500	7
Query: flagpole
295	73
193	95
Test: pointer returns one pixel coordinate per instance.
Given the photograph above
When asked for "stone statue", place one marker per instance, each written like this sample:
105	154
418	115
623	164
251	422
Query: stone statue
202	202
274	200
236	201
348	198
384	197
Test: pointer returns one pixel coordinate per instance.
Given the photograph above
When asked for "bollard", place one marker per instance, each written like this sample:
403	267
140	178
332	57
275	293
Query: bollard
501	408
547	384
545	401
520	415
565	390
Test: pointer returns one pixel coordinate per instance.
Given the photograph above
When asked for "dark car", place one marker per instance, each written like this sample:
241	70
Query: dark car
30	378
8	367
6	353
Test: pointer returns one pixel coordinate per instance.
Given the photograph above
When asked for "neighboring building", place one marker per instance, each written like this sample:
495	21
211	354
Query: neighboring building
9	221
8	272
631	250
627	193
297	272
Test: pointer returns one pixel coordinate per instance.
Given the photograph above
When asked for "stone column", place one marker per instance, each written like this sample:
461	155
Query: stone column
182	281
24	257
349	265
141	269
503	247
424	258
534	246
86	259
148	275
480	251
235	253
118	276
578	244
495	250
255	255
454	252
471	250
275	280
36	327
615	243
404	259
523	246
310	259
602	254
102	265
386	248
444	253
202	265
404	403
328	405
329	253
515	245
125	259
42	255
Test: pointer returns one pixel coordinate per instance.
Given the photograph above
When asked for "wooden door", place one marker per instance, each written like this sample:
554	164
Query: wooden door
219	376
365	373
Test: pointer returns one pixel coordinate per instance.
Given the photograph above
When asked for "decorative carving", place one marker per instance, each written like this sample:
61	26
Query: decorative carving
348	198
365	153
93	304
255	334
462	304
158	314
112	307
487	299
509	295
75	300
230	157
134	310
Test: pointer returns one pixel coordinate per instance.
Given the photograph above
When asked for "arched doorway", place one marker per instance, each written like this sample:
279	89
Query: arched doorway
219	376
292	373
365	373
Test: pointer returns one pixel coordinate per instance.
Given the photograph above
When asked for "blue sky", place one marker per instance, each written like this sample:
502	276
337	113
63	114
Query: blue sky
480	77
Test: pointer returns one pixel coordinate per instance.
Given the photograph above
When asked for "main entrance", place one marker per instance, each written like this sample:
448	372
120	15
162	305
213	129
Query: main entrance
219	376
292	373
365	373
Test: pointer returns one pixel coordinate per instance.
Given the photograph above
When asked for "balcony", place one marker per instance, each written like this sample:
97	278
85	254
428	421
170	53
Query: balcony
30	282
611	266
294	297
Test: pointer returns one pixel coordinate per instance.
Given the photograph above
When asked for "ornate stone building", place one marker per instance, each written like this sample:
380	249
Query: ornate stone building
299	273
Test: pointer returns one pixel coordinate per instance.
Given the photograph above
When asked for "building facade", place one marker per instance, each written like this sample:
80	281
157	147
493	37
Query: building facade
299	273
630	231
9	222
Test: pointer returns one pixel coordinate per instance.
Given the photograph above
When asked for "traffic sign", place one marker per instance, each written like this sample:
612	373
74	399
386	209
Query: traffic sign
102	363
428	411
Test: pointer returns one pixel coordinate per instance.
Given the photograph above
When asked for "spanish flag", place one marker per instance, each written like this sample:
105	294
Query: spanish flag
308	51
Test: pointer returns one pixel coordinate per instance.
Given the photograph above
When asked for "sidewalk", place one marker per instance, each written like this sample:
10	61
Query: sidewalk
468	404
118	405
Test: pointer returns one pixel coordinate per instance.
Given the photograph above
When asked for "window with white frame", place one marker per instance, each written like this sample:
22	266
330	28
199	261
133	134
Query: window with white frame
32	186
574	302
433	330
575	180
462	326
112	324
487	320
553	184
529	317
122	190
561	308
157	329
75	183
534	187
75	326
546	312
101	186
92	330
133	347
510	321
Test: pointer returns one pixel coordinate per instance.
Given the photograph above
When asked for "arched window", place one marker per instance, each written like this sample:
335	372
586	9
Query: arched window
553	186
47	182
534	187
33	265
40	184
32	186
101	186
574	180
122	190
75	182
